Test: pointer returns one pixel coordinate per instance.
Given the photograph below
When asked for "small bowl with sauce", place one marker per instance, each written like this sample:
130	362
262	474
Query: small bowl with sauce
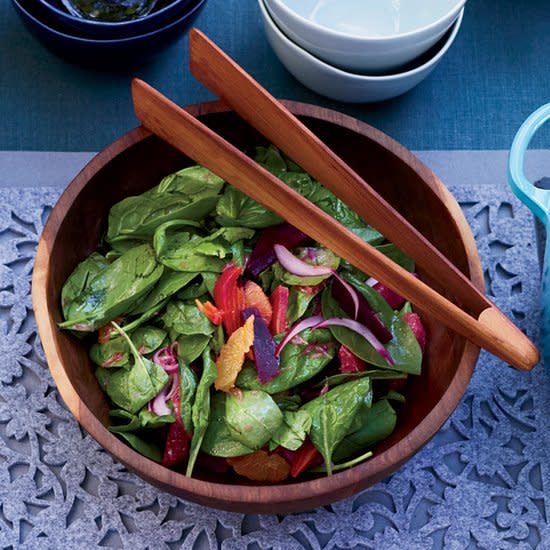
114	20
101	52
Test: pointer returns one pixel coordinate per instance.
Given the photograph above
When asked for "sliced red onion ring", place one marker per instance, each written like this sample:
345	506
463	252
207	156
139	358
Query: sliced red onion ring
371	281
167	358
296	329
352	292
296	266
363	331
158	405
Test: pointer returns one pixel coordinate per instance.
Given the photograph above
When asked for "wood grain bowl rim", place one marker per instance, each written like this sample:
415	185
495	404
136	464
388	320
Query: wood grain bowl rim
297	496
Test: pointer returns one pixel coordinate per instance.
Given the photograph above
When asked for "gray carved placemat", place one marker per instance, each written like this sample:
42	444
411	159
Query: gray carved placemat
482	482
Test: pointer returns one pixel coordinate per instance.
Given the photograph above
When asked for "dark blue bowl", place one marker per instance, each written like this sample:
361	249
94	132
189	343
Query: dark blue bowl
101	53
163	13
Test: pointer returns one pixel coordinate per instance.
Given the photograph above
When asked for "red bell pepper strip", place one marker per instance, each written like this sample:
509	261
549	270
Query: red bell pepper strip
279	306
213	314
349	362
229	297
306	457
177	445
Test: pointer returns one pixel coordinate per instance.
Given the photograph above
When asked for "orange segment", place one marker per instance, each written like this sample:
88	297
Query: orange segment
231	358
261	466
254	296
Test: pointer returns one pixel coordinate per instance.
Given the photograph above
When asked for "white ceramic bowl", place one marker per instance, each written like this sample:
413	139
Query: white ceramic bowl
340	85
365	36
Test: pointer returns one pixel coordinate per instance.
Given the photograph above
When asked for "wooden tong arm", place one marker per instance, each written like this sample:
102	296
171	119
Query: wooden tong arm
218	72
189	135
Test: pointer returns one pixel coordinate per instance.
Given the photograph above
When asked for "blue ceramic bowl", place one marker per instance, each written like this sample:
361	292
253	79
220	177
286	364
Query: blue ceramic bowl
101	53
162	14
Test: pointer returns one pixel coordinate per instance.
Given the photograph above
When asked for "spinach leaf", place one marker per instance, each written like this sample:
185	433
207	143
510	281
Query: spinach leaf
113	353
145	448
298	362
144	419
148	339
115	290
397	255
403	347
168	284
218	441
299	299
80	278
190	181
271	158
374	374
235	209
332	415
252	417
287	402
134	387
377	423
201	408
188	387
292	432
139	216
181	318
191	346
185	251
199	287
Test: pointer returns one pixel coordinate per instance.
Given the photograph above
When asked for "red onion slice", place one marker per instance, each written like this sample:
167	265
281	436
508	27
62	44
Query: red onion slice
363	331
167	358
352	292
296	329
296	266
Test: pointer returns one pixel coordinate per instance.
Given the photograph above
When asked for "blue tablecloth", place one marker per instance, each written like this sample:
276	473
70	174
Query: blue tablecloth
495	74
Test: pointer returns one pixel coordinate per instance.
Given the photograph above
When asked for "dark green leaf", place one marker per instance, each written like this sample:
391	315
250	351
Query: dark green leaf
80	278
397	255
185	319
298	363
377	423
235	209
332	415
115	290
188	387
191	181
190	347
403	347
252	417
145	419
168	284
218	441
145	448
292	432
201	408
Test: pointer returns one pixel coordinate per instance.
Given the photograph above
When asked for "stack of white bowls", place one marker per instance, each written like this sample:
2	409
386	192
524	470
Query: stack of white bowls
361	50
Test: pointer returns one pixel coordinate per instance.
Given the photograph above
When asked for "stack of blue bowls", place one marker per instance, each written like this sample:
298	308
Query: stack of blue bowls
106	43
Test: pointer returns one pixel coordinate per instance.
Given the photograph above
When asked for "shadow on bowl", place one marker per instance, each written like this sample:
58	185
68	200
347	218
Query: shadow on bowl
136	162
104	54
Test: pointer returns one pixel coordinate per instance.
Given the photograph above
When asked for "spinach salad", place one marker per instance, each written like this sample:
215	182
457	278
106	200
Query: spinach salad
226	338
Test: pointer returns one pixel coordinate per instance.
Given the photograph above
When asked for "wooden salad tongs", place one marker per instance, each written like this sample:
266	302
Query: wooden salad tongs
489	329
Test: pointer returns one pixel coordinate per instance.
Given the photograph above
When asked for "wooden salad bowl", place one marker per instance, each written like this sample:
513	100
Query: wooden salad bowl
136	162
